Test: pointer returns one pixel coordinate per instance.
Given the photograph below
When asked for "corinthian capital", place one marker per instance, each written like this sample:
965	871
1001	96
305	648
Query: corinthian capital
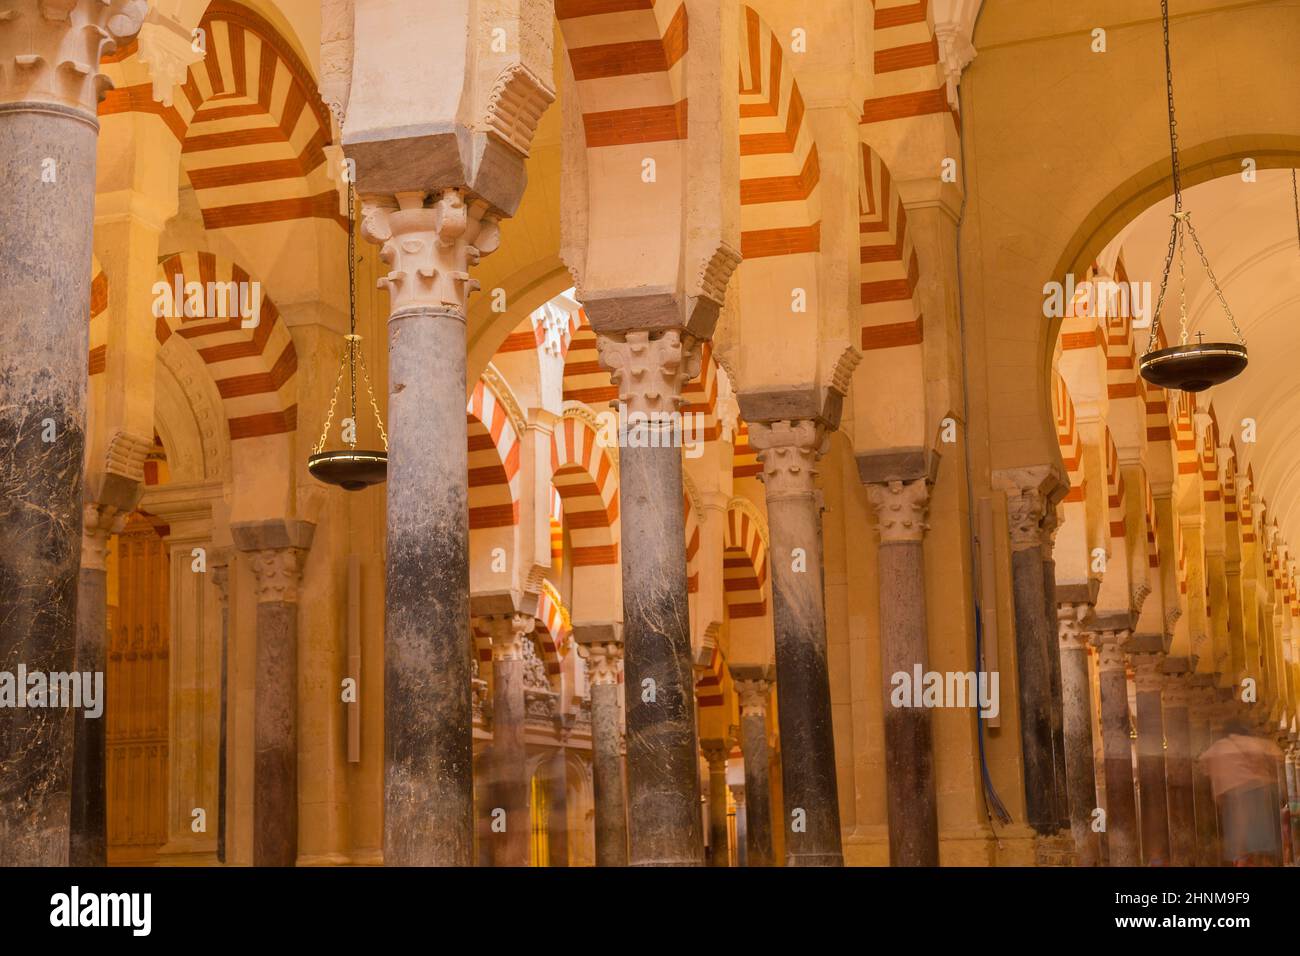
98	522
753	696
429	246
788	452
650	368
603	660
1028	504
901	509
50	49
278	572
508	632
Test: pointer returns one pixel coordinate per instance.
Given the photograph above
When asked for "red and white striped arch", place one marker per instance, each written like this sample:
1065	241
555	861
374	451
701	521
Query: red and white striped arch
255	369
628	62
891	316
1210	490
692	544
1153	538
584	476
708	687
98	318
494	452
1182	411
1247	507
1115	493
908	79
557	531
744	462
1067	436
780	205
251	124
744	565
553	629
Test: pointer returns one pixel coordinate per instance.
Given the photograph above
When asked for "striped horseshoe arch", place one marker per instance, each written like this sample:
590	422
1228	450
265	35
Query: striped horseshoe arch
627	58
494	450
780	205
744	563
584	477
908	79
250	121
255	369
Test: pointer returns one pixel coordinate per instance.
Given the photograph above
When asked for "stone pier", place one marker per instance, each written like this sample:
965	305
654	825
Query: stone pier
276	551
788	451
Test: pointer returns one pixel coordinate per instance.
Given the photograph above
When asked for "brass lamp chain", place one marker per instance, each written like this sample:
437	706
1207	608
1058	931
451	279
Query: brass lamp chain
353	353
1182	226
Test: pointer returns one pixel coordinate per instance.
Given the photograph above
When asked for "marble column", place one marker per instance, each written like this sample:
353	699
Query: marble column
556	775
508	782
649	369
1149	679
753	692
1178	763
1293	801
901	508
742	839
276	550
603	658
88	830
788	451
1117	749
1026	502
49	87
716	750
1051	521
1201	710
1076	727
429	241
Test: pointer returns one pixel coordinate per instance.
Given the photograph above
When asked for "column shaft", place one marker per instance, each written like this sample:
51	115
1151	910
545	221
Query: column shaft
1076	720
1059	768
88	836
1151	760
715	755
1178	769
753	693
275	738
1207	814
45	258
1035	686
1121	805
607	771
509	783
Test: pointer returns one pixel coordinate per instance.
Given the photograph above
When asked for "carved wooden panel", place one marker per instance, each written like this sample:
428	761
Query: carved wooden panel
137	698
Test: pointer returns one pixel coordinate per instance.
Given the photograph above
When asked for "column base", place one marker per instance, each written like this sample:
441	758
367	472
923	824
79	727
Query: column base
969	846
189	853
1057	849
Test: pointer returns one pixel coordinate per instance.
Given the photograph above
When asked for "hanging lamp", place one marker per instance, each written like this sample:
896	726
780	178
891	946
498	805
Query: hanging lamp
1190	367
350	468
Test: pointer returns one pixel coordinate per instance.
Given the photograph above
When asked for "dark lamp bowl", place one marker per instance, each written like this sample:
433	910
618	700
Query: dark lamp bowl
1194	368
349	469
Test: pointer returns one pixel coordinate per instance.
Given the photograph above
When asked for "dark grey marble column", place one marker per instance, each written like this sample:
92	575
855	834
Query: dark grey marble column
509	784
716	750
603	658
1121	803
1076	719
753	692
1293	798
88	831
664	825
276	550
1035	636
742	838
1148	676
901	508
429	242
789	451
1178	763
48	136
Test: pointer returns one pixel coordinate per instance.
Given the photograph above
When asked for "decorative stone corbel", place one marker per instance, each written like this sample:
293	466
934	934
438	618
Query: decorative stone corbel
169	50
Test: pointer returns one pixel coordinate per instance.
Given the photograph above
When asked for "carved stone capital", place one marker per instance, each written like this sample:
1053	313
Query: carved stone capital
219	566
753	696
429	244
1110	655
509	635
1148	672
603	661
650	368
98	522
1177	693
716	751
50	49
278	572
1069	625
788	452
1030	504
901	509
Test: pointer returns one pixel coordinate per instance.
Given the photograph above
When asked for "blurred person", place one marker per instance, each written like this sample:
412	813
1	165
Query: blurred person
1243	774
